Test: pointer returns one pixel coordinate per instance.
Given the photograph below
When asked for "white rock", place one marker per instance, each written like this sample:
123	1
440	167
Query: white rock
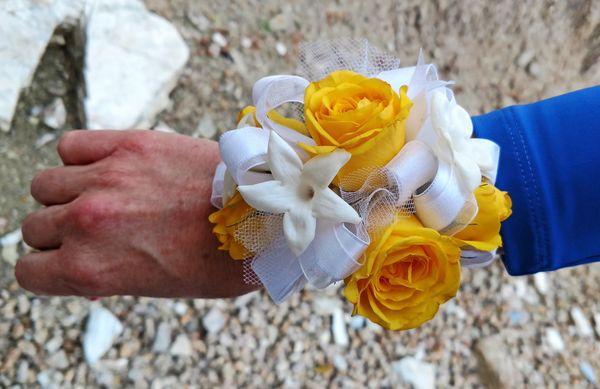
44	139
162	341
182	346
588	372
55	114
101	331
338	328
12	238
419	374
584	328
163	127
59	360
540	281
10	254
206	128
54	344
26	27
246	42
281	49
219	39
180	308
23	372
214	320
133	59
554	339
340	363
357	322
325	306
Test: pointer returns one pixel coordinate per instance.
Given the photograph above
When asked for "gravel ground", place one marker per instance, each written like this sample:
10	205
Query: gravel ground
516	332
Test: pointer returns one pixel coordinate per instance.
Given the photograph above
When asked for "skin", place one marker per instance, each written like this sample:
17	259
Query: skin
127	214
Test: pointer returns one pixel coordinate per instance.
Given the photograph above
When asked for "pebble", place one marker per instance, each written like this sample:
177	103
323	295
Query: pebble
182	346
162	341
340	362
338	328
12	238
325	306
10	254
163	127
279	22
23	372
554	339
55	114
44	139
101	331
219	39
214	320
419	374
357	322
540	280
246	42
584	328
281	49
588	372
59	360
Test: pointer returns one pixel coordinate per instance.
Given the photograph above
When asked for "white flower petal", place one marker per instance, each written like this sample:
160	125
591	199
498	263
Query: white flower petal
468	170
462	126
269	196
284	162
328	205
299	227
320	170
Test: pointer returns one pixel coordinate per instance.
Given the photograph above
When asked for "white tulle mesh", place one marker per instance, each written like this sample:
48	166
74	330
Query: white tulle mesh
318	59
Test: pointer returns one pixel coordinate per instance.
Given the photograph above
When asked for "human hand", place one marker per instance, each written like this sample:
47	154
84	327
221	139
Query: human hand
127	215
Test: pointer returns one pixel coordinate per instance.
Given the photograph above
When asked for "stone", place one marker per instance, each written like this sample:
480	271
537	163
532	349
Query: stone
133	59
588	372
338	328
325	306
279	22
101	331
55	114
206	128
10	254
540	280
219	39
23	372
340	363
12	238
554	339
584	328
246	42
214	320
59	360
281	49
182	346
163	127
26	27
44	139
162	341
496	365
357	322
418	374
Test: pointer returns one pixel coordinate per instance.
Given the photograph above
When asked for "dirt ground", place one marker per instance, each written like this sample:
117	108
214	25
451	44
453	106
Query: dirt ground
499	53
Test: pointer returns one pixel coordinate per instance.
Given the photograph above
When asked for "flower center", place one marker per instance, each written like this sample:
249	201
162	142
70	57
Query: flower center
306	192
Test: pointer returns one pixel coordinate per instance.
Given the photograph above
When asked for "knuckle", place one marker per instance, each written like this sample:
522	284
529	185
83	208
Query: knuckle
27	228
139	142
111	177
38	183
91	214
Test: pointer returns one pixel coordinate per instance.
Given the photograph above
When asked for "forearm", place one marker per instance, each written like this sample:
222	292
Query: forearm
549	157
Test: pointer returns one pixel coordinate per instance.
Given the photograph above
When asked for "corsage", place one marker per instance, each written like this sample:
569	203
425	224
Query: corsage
361	171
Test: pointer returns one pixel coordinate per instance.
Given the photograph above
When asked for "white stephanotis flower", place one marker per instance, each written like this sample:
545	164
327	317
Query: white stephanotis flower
471	157
300	192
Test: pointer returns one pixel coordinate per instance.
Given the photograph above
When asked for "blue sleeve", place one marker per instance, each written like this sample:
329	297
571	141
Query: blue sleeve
550	165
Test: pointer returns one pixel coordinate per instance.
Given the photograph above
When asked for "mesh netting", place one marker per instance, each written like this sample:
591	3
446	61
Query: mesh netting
318	59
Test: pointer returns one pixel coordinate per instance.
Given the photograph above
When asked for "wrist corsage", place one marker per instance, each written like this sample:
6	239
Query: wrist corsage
362	171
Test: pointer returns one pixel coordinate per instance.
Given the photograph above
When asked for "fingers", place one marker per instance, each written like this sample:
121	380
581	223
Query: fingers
61	185
41	273
82	147
44	228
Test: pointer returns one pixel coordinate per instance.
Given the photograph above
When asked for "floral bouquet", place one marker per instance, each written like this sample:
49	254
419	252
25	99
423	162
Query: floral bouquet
361	171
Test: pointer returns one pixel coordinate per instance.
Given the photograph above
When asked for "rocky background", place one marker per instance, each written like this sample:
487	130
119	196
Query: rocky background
188	66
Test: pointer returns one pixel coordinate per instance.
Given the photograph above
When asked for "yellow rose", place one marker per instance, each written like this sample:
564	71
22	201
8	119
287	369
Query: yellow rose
483	233
226	221
361	115
408	272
